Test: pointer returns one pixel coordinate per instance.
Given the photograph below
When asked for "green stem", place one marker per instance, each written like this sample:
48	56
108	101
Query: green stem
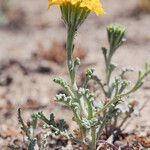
70	62
93	144
108	72
108	68
116	99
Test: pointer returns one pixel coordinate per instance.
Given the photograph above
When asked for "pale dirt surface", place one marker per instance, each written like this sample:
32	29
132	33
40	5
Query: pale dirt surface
40	30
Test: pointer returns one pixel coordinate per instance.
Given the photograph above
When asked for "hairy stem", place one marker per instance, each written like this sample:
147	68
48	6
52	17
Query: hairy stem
93	144
70	62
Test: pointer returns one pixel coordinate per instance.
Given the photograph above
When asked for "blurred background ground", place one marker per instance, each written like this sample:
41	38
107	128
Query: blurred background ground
32	53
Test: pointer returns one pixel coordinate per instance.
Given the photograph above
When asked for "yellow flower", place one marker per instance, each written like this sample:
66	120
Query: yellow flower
92	5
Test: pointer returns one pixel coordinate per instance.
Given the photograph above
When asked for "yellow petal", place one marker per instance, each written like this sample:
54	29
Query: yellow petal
93	5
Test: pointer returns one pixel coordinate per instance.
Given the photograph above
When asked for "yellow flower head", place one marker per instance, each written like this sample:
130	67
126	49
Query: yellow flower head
74	12
92	5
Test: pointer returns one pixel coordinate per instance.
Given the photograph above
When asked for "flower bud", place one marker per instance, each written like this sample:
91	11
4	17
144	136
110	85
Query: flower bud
116	36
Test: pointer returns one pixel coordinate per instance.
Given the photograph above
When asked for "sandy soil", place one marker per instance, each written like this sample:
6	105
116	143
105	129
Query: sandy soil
25	76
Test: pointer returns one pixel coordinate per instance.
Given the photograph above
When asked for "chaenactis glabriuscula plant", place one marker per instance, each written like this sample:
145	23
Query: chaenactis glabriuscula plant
90	118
